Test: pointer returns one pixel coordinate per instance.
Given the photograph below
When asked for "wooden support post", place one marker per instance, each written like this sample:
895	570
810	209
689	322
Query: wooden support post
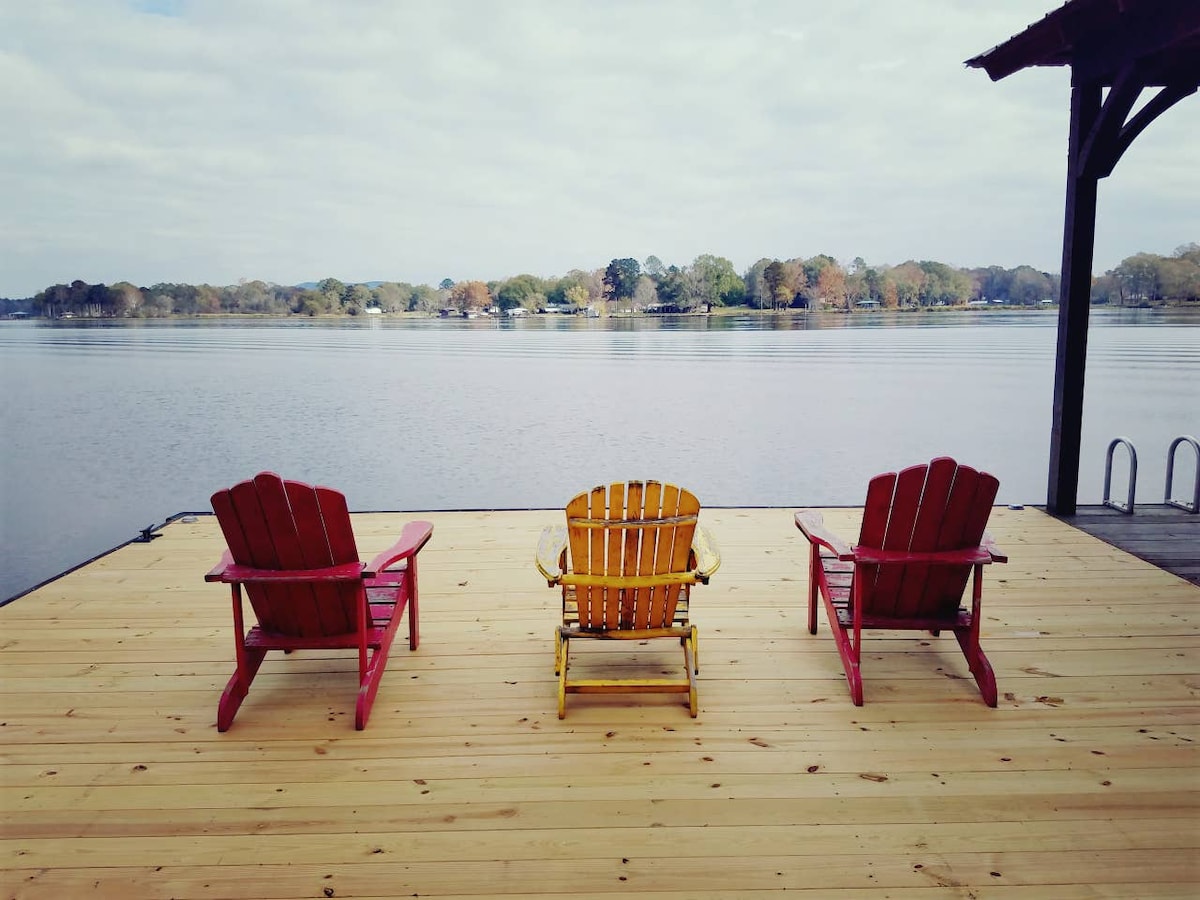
1079	234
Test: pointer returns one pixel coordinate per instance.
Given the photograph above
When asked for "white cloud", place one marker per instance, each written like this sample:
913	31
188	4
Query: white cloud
293	139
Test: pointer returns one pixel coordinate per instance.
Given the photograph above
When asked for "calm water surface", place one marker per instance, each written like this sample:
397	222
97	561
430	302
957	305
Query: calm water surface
108	428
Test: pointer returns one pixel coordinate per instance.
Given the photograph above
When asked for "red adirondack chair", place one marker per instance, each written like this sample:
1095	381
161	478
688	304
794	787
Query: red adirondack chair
922	537
292	546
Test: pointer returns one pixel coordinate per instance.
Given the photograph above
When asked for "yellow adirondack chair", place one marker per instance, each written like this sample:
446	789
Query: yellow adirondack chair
626	562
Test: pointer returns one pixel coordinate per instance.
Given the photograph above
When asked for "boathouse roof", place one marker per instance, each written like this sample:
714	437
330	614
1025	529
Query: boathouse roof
1098	38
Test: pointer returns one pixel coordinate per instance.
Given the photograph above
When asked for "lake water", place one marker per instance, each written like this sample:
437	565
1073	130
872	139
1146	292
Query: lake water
110	427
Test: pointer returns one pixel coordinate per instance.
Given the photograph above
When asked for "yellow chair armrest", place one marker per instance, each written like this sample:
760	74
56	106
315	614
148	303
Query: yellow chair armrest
550	549
706	553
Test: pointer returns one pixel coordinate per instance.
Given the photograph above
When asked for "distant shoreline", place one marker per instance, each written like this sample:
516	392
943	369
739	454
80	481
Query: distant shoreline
717	312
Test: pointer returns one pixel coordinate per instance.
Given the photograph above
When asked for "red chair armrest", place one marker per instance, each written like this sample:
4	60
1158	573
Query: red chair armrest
219	569
812	524
413	537
989	544
969	556
249	575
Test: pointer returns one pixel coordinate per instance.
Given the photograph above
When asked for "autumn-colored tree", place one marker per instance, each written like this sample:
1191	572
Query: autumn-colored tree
857	291
889	295
779	292
812	268
470	295
209	300
831	285
909	279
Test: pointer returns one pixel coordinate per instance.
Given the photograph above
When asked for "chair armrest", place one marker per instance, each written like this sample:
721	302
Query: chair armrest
989	544
969	556
413	537
551	545
217	571
706	554
812	524
250	575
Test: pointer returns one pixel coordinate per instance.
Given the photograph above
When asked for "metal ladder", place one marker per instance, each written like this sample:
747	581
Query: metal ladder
1192	506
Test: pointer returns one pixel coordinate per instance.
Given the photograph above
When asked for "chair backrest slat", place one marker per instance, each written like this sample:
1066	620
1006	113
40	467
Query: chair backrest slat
651	505
926	535
676	502
630	539
296	608
902	518
979	493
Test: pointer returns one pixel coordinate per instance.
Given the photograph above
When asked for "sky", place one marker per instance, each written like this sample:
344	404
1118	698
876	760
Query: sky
411	140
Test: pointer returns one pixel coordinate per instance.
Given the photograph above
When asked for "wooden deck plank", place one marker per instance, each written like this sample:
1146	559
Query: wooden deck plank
1083	783
620	868
567	839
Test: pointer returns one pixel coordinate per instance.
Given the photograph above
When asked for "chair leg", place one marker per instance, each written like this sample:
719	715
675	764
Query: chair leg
238	687
694	637
562	675
369	687
414	621
814	574
689	660
851	657
979	665
853	669
414	625
968	639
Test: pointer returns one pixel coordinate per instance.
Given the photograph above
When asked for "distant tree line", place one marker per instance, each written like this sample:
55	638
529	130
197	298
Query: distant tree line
1145	279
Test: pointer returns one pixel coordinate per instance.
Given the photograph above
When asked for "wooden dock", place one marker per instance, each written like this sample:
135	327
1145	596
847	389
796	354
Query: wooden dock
1083	783
1164	535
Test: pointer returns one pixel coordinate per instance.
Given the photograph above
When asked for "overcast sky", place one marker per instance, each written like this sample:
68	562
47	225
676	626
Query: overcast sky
290	140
